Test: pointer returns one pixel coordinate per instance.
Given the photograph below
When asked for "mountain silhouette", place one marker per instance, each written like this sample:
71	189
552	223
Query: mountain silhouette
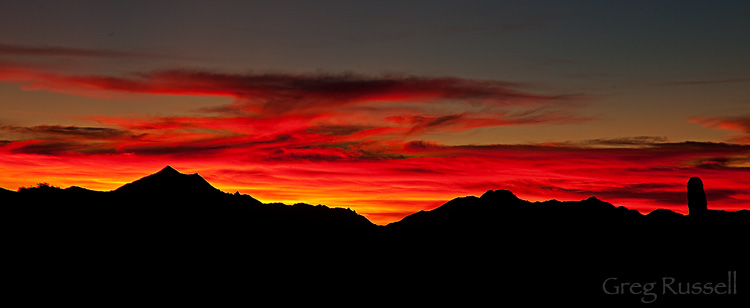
170	183
5	193
168	201
557	251
175	232
472	213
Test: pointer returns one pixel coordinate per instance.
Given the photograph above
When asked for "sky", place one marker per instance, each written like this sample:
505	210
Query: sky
384	107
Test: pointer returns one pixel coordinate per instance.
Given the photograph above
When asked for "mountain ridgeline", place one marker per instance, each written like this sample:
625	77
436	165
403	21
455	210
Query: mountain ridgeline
172	197
168	200
471	247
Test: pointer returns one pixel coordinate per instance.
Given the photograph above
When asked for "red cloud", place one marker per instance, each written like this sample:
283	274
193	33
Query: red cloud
735	123
317	107
464	121
285	92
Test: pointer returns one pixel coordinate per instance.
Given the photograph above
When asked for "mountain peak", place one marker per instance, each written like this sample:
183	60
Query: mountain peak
168	170
172	182
499	195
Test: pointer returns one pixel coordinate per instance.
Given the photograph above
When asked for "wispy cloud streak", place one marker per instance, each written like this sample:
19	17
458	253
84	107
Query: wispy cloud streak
61	51
275	92
739	124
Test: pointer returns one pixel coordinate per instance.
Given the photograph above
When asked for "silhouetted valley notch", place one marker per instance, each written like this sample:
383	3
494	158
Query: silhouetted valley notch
183	230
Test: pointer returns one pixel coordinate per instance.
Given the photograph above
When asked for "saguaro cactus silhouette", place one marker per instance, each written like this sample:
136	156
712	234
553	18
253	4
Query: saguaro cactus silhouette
697	204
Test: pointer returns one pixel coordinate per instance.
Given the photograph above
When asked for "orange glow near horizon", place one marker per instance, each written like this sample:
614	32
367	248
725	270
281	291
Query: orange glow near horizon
387	190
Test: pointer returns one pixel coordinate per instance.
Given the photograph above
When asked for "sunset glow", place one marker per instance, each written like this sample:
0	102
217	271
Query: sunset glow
101	114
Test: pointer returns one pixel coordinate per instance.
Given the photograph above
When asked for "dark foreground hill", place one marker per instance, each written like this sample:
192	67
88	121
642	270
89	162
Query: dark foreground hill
173	237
